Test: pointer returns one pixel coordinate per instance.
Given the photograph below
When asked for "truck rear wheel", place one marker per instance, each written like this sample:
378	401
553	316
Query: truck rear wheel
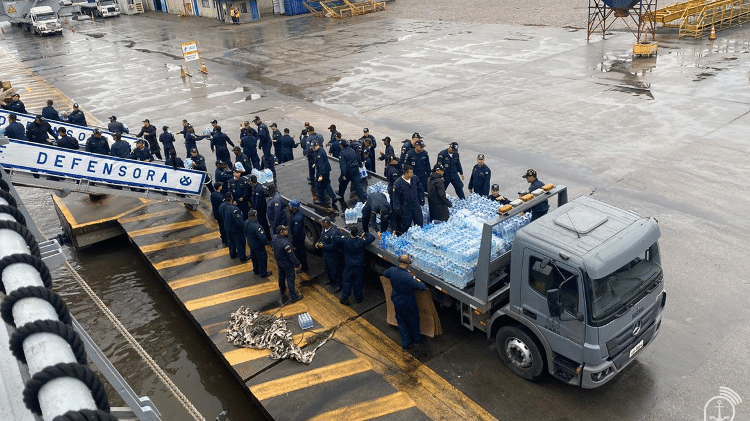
520	352
311	235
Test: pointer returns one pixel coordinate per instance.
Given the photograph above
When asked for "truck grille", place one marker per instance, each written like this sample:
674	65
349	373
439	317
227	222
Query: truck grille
619	347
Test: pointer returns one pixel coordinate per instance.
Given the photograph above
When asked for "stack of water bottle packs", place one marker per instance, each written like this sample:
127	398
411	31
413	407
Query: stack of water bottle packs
450	250
265	176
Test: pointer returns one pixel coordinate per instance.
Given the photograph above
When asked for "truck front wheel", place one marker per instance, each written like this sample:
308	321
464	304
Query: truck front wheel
520	353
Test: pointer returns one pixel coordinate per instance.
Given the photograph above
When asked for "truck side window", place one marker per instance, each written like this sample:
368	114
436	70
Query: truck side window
552	276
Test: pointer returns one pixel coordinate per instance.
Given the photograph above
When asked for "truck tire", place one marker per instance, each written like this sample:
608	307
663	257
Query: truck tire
520	352
311	235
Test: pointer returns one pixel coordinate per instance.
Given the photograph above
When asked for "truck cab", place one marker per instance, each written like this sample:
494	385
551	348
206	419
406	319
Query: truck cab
43	21
586	294
101	8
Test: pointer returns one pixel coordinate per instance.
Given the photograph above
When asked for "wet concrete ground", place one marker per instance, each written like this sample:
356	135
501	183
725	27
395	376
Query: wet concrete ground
665	136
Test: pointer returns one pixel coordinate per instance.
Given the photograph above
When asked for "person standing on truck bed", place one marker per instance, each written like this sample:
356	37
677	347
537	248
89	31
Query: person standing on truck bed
349	164
15	105
275	139
454	173
419	160
38	130
534	183
217	198
331	254
496	196
167	139
408	199
242	159
354	259
257	241
97	143
15	130
333	144
368	149
312	139
388	152
376	204
409	145
67	142
120	148
403	285
234	226
297	228
259	204
276	209
148	132
77	117
286	146
249	144
264	137
479	182
218	144
49	112
437	200
286	262
323	177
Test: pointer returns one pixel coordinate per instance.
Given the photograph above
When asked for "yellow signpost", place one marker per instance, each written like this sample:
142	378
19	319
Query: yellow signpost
189	53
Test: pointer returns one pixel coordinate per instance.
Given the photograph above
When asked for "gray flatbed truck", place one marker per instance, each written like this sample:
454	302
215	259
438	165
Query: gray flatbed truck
578	296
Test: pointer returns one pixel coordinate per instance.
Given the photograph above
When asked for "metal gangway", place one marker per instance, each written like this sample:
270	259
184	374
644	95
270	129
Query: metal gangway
696	18
343	8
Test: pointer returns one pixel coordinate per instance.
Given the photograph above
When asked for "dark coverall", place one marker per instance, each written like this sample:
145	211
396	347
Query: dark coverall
259	204
349	163
453	171
393	173
15	130
286	144
332	256
50	113
68	142
276	136
216	200
222	176
120	149
480	180
249	145
408	199
323	170
335	146
297	230
149	133
310	154
140	154
276	212
437	200
116	127
16	107
100	145
375	203
286	261
167	139
219	143
240	194
78	118
243	159
407	313
257	241
541	209
354	260
264	140
190	142
37	133
235	229
421	163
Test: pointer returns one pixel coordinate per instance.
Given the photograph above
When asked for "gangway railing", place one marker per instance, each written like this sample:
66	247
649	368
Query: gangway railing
45	166
696	18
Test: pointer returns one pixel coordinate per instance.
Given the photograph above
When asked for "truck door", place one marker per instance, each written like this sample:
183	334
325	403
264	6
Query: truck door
541	273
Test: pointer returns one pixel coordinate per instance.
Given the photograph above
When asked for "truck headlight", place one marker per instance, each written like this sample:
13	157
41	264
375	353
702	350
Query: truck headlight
597	377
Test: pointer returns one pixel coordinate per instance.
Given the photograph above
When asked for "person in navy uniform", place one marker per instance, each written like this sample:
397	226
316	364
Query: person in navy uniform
14	129
264	138
275	138
419	160
115	126
349	164
437	200
328	243
376	204
242	159
276	209
15	105
403	285
38	130
257	241
258	202
219	145
388	152
479	182
286	262
191	140
222	173
286	146
120	148
167	139
353	248
68	142
534	183
454	172
496	196
408	199
323	177
312	139
333	143
234	226
249	144
77	116
97	143
199	162
409	145
217	198
49	112
269	162
240	192
246	130
297	228
148	132
392	173
140	153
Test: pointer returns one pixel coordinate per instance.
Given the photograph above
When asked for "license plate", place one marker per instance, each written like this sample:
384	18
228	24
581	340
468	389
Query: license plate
636	348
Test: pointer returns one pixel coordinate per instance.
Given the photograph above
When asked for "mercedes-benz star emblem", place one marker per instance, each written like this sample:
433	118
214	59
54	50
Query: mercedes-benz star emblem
637	328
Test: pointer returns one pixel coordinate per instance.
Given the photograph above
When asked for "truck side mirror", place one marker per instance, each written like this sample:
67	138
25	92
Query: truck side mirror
553	302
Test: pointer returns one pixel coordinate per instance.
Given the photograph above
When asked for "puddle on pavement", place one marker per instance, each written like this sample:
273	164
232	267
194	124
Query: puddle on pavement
631	69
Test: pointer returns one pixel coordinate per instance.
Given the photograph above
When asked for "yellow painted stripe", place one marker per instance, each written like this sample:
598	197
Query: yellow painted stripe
166	227
243	355
65	211
310	378
194	258
180	242
233	295
210	276
118	216
398	401
151	215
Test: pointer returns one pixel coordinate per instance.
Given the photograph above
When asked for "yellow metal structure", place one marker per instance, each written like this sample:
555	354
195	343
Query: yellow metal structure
645	49
343	8
695	18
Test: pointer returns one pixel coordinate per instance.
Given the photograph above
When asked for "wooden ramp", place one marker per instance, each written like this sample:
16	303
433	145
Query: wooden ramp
343	8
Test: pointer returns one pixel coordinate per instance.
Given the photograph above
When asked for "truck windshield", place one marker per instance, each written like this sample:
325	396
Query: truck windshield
615	291
107	2
45	16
